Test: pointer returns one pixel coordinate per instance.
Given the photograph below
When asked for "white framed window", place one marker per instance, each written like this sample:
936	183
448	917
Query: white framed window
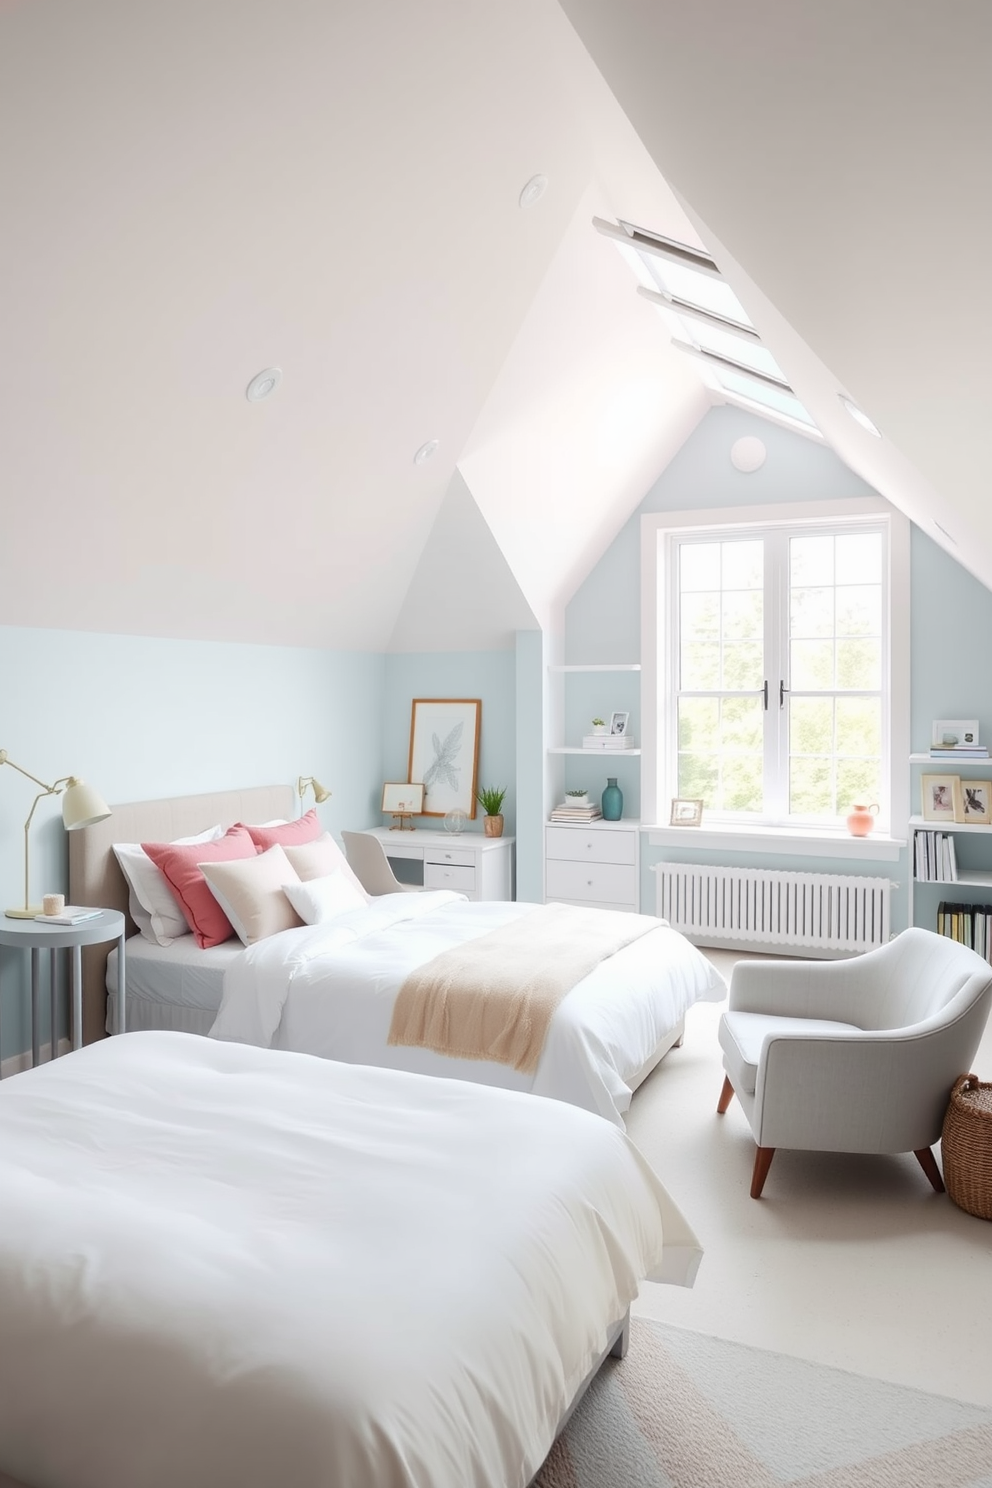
776	664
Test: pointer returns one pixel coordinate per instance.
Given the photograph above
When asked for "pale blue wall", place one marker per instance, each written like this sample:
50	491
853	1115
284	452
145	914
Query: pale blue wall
951	616
141	718
489	675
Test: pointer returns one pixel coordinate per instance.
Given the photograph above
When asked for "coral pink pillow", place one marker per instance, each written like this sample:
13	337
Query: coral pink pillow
286	834
203	914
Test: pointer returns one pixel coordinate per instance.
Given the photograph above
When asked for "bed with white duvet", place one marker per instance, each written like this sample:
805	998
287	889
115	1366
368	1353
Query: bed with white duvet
225	1267
330	989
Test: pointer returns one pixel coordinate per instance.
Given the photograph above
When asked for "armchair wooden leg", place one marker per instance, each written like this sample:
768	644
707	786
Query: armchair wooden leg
726	1096
928	1163
762	1162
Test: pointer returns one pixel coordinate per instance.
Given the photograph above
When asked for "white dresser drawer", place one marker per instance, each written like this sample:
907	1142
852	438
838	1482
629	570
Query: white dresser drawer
593	847
610	883
449	876
449	855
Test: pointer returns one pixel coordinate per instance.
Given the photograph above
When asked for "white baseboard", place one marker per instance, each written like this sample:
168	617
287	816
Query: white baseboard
18	1062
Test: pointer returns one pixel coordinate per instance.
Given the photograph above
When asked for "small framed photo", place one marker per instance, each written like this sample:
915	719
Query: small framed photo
403	798
954	733
941	797
618	723
685	813
976	803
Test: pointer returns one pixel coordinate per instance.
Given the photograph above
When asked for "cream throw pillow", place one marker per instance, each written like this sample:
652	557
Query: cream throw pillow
321	899
319	858
250	892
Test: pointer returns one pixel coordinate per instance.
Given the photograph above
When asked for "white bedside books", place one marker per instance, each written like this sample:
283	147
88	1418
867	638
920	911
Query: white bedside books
73	914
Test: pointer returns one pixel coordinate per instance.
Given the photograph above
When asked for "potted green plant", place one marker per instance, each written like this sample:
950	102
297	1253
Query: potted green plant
490	798
598	726
576	798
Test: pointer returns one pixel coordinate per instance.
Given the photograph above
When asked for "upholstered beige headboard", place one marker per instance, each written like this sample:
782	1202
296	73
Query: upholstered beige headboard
95	878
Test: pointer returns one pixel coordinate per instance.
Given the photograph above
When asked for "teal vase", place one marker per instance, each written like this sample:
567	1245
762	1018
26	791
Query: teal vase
612	800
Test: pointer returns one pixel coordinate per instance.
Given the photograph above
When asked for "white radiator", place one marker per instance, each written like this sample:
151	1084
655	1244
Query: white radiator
821	914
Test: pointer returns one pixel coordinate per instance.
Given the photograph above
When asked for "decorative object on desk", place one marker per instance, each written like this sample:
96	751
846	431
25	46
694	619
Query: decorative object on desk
954	733
941	797
612	799
976	803
491	798
685	813
618	723
402	799
444	752
599	726
576	798
81	806
454	821
52	904
862	819
320	795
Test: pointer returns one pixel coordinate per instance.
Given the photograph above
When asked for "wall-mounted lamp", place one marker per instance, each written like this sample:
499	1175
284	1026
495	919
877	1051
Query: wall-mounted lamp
81	807
320	795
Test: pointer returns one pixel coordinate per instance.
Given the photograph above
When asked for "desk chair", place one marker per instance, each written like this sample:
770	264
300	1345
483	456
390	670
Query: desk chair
367	857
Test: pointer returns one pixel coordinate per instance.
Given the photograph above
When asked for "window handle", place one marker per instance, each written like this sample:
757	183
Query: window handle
782	690
766	694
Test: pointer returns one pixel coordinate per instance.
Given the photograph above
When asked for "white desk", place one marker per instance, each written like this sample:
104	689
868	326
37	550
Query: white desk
471	862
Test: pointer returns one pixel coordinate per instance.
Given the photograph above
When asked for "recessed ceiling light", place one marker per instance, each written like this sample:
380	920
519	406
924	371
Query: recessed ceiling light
747	454
533	191
425	451
859	417
263	384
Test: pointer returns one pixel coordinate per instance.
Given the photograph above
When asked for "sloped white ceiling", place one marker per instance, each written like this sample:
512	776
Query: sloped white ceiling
835	158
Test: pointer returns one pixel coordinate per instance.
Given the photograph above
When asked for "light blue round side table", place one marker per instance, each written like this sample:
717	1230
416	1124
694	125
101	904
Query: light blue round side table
36	937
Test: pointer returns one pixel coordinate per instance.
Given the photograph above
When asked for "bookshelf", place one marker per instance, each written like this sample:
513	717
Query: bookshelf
926	894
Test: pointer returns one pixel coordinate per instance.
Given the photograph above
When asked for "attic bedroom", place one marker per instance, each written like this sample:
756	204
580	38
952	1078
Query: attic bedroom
361	357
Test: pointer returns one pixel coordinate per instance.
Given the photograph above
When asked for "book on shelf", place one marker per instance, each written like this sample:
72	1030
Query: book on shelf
934	858
959	751
73	914
576	813
969	924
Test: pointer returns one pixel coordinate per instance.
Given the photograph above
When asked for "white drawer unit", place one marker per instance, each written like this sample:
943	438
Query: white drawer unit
450	876
471	863
594	865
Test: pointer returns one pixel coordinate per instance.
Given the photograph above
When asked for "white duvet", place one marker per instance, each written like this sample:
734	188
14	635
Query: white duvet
329	989
222	1267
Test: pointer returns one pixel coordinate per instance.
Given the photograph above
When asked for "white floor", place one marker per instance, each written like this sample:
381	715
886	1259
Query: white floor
847	1260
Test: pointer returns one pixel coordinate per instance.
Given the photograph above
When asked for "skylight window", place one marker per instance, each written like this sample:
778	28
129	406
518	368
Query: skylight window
706	319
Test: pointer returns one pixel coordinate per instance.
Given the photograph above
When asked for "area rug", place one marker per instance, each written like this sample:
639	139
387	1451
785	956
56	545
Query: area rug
685	1410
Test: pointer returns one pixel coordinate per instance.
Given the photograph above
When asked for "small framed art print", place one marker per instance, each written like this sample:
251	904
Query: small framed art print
403	798
941	797
686	813
954	733
976	803
618	723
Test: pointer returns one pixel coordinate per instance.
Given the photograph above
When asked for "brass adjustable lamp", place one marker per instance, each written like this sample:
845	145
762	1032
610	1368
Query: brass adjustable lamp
81	806
320	795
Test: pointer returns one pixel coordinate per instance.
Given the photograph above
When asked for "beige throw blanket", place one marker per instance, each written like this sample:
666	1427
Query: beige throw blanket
494	996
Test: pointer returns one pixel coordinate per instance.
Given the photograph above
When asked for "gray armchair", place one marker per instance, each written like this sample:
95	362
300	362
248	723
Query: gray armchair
853	1056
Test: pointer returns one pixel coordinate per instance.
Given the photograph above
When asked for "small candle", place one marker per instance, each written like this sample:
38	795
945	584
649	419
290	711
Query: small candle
53	904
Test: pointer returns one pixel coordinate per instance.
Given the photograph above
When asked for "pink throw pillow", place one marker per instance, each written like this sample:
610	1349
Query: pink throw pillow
287	834
203	914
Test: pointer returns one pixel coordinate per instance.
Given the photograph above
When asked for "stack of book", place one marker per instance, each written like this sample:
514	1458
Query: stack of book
959	751
566	813
935	861
607	741
970	924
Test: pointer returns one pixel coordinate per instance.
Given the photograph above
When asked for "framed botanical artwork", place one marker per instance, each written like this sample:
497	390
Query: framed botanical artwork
941	797
686	813
444	752
976	803
618	723
403	798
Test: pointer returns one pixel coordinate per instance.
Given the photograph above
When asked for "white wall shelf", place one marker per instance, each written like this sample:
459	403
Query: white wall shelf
600	666
603	754
948	766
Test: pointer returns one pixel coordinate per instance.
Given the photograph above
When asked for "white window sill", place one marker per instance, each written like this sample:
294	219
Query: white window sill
804	842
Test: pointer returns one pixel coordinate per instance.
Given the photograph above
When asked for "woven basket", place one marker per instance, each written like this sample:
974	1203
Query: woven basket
966	1146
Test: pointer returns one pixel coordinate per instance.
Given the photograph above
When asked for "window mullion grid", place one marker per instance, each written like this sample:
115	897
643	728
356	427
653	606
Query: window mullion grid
776	671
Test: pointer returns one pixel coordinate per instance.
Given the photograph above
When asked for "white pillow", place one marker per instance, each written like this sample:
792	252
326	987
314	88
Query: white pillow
154	907
322	856
250	892
322	899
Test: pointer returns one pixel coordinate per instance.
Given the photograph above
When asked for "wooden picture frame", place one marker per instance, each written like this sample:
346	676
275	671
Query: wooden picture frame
941	797
976	803
685	812
444	753
403	798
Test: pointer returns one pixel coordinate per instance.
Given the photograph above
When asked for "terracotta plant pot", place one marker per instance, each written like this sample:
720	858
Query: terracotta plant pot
861	820
492	826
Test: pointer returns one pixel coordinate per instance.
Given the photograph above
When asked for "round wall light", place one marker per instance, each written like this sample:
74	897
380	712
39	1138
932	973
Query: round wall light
263	384
748	454
425	451
858	416
533	191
